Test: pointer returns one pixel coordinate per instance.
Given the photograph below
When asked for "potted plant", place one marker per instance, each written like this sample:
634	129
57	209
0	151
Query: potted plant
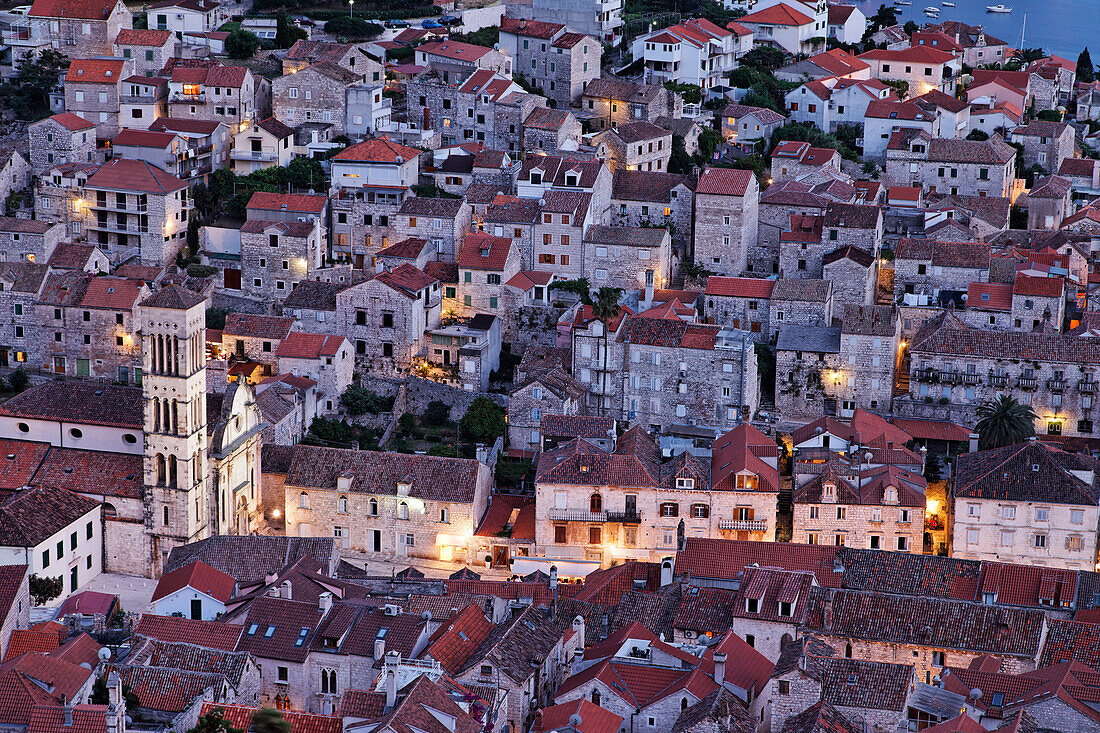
488	561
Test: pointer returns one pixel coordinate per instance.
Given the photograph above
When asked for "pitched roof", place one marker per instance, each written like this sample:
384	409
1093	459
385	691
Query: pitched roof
453	50
406	279
249	558
173	297
455	641
199	576
136	37
742	449
80	9
297	202
208	634
1030	471
123	174
240	717
252	325
780	14
484	252
300	345
593	718
724	181
90	402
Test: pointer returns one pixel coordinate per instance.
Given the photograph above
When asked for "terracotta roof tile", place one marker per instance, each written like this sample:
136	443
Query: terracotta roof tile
197	575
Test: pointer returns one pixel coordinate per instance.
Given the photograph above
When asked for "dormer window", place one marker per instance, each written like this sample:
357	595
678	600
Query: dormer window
685	483
536	178
891	494
829	489
746	482
571	179
752	605
786	608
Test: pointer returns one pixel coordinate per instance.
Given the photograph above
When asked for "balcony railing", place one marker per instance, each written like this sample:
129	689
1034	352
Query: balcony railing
1027	382
114	227
926	375
1056	385
998	380
744	525
266	154
1087	387
968	378
199	98
113	206
578	515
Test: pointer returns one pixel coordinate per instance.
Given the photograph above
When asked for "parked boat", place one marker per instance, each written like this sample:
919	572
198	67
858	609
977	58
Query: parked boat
902	2
931	10
948	5
998	9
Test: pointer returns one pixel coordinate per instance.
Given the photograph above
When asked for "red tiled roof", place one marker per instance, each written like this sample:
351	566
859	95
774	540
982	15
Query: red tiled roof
136	37
932	429
378	150
78	9
72	121
1040	287
914	54
740	450
724	181
454	50
297	202
252	325
726	559
989	296
122	174
88	603
299	345
51	719
453	643
484	252
143	138
593	718
530	28
201	577
34	640
777	15
240	717
406	279
209	634
95	71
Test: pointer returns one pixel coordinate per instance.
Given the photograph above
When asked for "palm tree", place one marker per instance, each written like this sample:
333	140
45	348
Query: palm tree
605	308
1024	56
1004	421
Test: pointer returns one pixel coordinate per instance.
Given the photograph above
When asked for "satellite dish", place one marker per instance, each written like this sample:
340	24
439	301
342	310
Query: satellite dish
575	720
976	694
426	615
104	654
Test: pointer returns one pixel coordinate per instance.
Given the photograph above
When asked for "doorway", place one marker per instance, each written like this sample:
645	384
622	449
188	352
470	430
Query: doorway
500	556
376	540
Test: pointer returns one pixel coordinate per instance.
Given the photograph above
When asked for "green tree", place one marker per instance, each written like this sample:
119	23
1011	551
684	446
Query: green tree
437	412
580	287
933	471
19	380
1086	72
27	94
1004	421
978	135
886	16
483	422
768	58
43	590
679	161
303	172
1024	56
286	33
214	722
709	140
345	26
443	451
910	27
269	720
215	318
1049	115
242	44
691	93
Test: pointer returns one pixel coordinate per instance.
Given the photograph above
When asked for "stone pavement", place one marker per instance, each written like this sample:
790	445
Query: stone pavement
377	563
134	594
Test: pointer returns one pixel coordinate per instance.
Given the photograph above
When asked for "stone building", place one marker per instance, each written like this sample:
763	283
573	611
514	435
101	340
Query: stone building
265	144
458	60
1029	502
954	367
485	264
938	165
255	338
541	174
92	90
926	267
277	255
608	103
443	222
551	131
746	126
214	92
313	94
482	106
1046	144
83	31
414	506
641	198
386	317
1049	202
27	240
880	508
1038	303
630	258
635	146
133	207
552	57
861	225
61	139
853	273
801	250
143	100
795	159
557	237
741	302
726	209
540	398
150	49
801	302
600	505
306	53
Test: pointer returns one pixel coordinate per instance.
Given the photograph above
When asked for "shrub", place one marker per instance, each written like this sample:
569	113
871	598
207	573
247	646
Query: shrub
242	44
436	413
343	25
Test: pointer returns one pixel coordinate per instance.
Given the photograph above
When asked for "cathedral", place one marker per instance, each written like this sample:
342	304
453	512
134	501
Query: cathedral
171	462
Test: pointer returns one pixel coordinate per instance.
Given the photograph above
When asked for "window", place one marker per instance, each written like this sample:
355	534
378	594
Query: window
303	500
903	544
1077	516
972	536
342	505
1040	541
814	512
784	687
559	534
1008	512
1042	514
402	510
670	509
841	512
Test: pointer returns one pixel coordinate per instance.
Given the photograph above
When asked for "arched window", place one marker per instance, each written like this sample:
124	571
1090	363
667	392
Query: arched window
373	506
402	511
173	474
848	651
595	696
342	505
444	515
303	500
684	704
162	475
595	503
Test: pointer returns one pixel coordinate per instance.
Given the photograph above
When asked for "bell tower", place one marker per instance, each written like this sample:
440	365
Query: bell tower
173	340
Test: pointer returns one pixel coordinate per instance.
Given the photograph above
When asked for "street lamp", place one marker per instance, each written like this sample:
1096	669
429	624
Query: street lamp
351	8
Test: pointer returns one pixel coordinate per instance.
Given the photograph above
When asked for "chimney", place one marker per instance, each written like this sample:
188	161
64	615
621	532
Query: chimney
666	571
973	447
324	602
379	268
286	591
719	667
522	23
68	708
379	647
578	660
649	288
390	670
578	629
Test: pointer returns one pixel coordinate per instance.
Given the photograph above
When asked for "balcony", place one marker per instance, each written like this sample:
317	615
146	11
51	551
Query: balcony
744	525
138	99
926	375
577	515
1027	382
204	149
1087	387
950	377
998	380
968	378
103	205
182	98
267	154
1056	385
116	228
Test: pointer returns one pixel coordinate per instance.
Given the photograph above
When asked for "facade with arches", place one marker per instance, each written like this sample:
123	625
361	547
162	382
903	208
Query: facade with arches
393	503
